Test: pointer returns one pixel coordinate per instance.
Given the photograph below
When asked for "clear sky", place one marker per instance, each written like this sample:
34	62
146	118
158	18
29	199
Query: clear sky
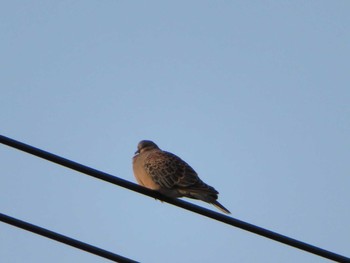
254	95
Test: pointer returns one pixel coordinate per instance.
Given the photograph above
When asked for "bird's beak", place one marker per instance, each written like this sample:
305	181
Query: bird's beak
137	152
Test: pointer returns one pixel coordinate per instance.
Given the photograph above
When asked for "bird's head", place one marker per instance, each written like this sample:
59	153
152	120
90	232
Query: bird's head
146	145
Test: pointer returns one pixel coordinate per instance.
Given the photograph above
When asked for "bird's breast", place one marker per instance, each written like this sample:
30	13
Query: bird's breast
142	177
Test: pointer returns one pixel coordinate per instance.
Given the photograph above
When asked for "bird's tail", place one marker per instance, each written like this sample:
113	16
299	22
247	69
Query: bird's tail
221	207
207	194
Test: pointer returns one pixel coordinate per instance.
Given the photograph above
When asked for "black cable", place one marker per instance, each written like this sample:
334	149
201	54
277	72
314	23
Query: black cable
180	203
64	239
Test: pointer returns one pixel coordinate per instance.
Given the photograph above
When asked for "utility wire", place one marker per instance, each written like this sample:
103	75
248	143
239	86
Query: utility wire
64	239
177	202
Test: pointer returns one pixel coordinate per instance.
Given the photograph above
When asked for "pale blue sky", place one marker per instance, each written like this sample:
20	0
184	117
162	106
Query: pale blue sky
254	95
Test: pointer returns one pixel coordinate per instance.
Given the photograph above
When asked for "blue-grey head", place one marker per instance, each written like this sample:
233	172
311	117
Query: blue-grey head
146	145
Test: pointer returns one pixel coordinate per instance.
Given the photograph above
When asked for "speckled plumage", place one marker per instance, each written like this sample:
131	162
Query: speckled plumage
170	175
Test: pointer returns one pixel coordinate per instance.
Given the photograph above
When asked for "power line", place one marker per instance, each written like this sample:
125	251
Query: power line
64	239
177	202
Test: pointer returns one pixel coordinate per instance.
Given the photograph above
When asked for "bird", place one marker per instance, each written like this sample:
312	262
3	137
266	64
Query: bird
168	174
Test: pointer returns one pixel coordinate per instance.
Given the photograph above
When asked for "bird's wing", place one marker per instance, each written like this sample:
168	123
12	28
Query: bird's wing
169	171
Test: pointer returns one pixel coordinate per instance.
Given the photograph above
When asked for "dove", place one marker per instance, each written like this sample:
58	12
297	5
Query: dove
171	176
